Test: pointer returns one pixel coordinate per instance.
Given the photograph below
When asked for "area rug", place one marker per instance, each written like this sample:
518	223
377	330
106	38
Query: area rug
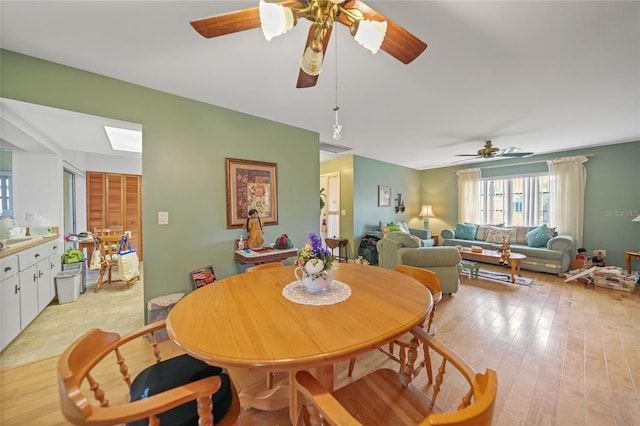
502	277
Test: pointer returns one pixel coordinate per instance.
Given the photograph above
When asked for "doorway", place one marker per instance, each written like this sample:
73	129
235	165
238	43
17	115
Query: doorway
330	213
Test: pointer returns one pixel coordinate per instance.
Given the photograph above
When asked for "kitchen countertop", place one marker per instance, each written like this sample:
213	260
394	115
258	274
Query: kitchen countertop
28	244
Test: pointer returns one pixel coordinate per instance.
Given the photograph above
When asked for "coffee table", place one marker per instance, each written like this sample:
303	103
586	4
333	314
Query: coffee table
492	256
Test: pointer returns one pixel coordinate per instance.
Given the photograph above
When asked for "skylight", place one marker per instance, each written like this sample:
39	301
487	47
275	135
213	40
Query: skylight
124	139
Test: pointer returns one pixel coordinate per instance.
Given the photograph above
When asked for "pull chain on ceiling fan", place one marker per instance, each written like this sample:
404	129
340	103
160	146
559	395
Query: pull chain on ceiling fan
337	127
369	28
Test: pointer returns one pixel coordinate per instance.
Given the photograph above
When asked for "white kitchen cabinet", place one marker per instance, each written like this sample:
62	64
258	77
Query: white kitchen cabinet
9	300
27	286
54	268
29	294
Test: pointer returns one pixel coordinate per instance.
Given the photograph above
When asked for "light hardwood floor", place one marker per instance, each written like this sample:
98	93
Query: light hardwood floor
566	354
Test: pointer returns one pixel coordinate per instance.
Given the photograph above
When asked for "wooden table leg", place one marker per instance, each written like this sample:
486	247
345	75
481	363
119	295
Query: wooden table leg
627	262
515	269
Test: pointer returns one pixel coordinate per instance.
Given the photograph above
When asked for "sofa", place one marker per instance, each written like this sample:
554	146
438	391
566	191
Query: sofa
545	250
444	261
398	235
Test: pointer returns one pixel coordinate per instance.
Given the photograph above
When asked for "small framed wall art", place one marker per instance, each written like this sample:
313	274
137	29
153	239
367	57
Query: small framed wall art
202	276
384	196
251	185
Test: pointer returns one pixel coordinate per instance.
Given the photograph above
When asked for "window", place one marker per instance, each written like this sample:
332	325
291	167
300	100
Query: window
6	207
517	201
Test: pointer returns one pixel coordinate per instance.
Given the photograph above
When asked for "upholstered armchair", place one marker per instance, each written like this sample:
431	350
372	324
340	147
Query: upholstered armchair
444	261
393	241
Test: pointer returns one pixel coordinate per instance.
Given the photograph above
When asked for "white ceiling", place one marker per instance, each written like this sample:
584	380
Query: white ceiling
544	76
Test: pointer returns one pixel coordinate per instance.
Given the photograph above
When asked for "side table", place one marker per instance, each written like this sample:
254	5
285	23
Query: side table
472	267
628	256
436	239
341	245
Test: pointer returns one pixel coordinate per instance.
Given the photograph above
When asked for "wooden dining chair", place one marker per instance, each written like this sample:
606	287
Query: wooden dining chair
264	266
109	244
459	396
431	281
178	390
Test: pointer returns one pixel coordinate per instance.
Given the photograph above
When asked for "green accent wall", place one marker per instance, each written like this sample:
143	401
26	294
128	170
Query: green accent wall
612	197
185	144
359	180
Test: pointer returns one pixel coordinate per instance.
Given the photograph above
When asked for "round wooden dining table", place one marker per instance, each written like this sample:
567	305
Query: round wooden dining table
245	321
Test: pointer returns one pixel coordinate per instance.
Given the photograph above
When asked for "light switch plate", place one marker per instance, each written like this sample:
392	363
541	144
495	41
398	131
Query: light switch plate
163	218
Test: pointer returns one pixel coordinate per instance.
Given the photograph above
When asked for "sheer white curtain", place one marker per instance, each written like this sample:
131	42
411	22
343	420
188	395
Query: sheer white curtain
530	201
468	195
567	181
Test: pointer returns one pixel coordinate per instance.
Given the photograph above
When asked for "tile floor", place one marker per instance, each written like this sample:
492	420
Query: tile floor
115	308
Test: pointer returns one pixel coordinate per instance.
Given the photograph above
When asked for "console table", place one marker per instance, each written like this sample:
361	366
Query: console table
628	255
267	255
341	245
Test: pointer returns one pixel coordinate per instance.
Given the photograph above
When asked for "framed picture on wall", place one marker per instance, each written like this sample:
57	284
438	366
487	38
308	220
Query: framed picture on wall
384	196
251	185
202	276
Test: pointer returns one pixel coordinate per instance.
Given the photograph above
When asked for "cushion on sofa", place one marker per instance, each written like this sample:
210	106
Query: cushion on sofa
483	230
538	237
466	231
403	227
407	240
518	234
394	226
498	235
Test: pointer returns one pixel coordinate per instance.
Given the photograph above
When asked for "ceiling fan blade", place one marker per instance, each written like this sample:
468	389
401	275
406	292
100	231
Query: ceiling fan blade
517	154
466	159
241	20
468	155
398	42
228	23
304	79
514	152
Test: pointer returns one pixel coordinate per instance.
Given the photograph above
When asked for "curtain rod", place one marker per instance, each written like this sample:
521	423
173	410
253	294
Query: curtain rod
522	164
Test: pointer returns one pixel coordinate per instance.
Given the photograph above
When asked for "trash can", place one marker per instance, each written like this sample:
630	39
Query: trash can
68	286
78	266
158	308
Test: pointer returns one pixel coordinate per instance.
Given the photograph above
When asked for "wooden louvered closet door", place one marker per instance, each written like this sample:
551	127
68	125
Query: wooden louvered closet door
114	201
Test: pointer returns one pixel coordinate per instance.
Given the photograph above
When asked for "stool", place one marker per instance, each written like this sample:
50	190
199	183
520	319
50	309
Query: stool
473	269
158	308
340	244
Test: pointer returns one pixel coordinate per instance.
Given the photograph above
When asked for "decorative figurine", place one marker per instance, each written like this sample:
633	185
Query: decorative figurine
254	229
505	252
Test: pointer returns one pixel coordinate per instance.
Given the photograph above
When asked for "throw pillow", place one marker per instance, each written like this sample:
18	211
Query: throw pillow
405	239
483	230
538	237
465	231
497	235
403	227
518	234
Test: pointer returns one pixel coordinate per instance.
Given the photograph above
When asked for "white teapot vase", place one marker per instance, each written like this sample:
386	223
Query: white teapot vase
313	278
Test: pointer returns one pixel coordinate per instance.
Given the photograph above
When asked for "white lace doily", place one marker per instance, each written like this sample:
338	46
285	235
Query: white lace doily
337	292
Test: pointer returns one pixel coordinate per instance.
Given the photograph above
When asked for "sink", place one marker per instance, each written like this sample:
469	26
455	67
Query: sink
20	241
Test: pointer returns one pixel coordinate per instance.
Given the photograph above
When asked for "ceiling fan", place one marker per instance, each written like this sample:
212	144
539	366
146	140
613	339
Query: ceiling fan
368	27
490	151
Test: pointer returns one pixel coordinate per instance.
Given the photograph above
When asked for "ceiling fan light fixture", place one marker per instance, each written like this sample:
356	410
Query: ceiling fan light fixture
311	62
369	34
275	19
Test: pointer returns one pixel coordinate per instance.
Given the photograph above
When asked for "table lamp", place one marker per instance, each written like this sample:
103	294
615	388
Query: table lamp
637	219
426	213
